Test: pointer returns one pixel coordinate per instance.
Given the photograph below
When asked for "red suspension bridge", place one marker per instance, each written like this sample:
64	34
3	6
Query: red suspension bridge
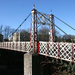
62	50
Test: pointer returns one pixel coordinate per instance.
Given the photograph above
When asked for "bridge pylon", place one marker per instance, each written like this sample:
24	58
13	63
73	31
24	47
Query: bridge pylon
51	28
33	32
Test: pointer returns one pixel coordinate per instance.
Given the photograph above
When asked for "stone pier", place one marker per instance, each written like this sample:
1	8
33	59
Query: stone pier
32	64
27	64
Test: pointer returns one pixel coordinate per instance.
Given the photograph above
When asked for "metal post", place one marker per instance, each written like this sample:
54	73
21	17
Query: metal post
51	28
72	53
33	33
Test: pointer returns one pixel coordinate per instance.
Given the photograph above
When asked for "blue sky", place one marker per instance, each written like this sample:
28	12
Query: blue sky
13	12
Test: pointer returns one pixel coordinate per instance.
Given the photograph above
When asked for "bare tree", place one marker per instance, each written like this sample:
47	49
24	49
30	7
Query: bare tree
7	31
1	29
27	35
43	33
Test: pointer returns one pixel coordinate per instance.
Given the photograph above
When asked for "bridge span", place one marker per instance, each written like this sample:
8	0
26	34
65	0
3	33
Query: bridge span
62	50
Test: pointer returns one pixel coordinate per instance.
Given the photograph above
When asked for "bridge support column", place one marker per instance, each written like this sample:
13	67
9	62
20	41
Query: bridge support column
27	64
31	64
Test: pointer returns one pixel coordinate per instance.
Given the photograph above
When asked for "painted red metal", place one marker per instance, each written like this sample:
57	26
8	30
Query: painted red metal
47	50
33	31
58	52
38	47
72	53
51	32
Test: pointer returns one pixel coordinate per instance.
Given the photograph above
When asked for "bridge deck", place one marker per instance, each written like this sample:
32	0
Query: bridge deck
64	51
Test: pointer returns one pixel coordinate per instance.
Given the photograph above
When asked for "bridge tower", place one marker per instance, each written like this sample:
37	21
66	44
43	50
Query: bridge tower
33	32
51	28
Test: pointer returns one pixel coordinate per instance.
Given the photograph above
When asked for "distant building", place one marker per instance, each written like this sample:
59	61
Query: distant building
1	38
18	37
10	38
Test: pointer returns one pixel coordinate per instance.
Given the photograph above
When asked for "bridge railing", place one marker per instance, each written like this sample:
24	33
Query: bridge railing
64	51
17	46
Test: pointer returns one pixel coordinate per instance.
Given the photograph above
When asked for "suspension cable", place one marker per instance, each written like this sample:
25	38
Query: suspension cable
54	24
39	26
65	23
21	23
60	29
